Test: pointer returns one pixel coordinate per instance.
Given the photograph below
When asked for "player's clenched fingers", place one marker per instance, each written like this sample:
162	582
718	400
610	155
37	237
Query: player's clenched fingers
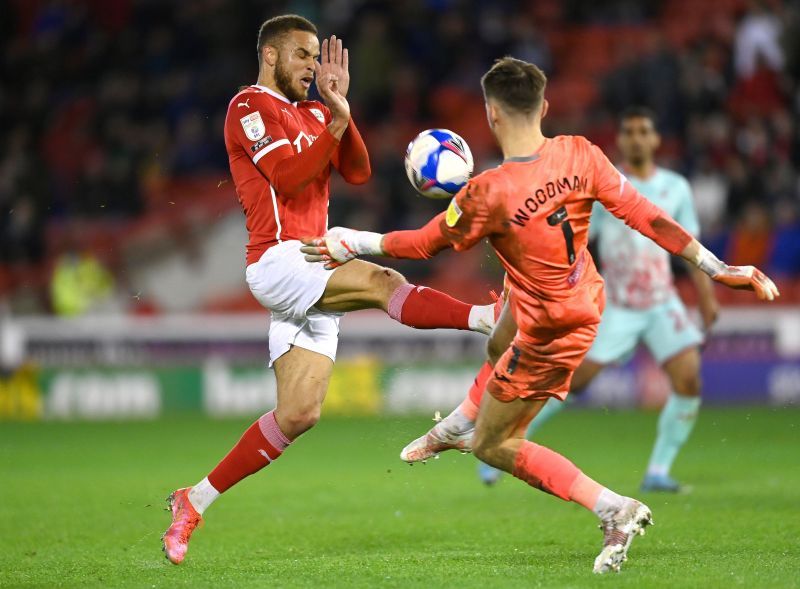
315	250
766	289
316	240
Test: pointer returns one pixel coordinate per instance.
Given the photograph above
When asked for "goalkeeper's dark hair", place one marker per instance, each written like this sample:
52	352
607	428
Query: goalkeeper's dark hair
273	29
639	112
516	84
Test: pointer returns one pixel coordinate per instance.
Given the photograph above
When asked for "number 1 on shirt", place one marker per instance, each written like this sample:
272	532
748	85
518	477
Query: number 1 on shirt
560	218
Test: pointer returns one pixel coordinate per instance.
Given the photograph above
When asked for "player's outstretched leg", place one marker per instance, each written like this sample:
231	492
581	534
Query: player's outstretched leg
499	441
676	421
454	432
363	285
302	377
580	380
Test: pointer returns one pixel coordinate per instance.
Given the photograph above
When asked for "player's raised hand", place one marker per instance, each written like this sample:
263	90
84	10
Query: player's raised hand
739	277
316	251
333	81
333	59
340	245
748	278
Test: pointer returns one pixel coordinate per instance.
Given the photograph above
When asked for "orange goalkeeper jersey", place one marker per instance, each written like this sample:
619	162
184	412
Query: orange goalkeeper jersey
535	212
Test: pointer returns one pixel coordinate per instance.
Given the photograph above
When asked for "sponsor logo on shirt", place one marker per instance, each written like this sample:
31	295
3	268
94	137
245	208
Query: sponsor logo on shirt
317	113
253	126
298	142
453	213
263	143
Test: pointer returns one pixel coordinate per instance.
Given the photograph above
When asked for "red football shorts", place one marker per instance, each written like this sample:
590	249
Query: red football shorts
535	368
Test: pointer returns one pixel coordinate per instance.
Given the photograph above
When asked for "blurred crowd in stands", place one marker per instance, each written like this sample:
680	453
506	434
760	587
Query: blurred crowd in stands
103	101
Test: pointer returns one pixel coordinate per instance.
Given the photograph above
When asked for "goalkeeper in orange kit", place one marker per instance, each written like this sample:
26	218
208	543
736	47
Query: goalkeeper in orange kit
535	210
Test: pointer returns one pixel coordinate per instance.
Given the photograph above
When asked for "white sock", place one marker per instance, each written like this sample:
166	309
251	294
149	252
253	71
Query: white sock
457	422
481	318
608	503
202	495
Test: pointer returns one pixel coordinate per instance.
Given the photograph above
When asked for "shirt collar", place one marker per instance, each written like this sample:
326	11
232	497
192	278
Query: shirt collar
272	93
522	159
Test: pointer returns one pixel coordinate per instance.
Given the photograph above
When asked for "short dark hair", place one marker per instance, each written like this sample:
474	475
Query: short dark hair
517	84
639	112
274	28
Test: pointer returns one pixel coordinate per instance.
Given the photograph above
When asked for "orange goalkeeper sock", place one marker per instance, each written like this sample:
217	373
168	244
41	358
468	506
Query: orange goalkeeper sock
551	472
472	402
544	469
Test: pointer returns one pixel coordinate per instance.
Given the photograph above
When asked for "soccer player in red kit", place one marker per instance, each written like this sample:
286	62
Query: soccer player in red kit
535	209
281	148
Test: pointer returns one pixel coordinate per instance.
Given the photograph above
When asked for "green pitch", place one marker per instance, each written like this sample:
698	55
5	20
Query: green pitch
82	505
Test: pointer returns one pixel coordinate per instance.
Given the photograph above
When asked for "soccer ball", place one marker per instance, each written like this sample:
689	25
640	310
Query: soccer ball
438	163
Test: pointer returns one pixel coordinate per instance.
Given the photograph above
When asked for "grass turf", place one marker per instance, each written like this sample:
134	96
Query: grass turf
81	505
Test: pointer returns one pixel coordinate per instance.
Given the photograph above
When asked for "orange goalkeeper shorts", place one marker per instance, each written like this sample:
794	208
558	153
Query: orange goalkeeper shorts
534	368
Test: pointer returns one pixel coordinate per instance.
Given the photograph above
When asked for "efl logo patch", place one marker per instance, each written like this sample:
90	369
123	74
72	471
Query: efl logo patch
317	113
253	126
263	143
453	213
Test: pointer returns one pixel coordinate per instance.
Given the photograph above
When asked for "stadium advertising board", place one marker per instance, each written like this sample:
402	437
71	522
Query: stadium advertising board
360	386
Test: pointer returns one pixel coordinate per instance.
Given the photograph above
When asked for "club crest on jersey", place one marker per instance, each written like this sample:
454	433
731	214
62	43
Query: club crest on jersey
453	213
253	126
317	113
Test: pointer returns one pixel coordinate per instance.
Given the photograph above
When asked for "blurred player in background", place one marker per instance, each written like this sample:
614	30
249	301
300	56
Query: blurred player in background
535	210
281	148
642	302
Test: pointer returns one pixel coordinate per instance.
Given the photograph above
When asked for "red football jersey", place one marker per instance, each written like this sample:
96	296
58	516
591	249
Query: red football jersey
261	129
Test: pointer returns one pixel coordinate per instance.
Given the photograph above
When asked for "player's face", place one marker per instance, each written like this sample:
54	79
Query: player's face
294	68
638	140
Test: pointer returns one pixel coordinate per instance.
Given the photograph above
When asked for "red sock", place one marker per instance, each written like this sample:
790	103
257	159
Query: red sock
262	443
470	405
425	308
544	469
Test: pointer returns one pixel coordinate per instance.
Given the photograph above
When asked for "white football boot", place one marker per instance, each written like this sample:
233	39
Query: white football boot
619	531
449	433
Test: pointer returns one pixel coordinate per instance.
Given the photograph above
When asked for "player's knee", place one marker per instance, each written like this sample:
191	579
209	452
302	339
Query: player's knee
384	282
301	419
495	348
688	385
391	280
484	449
